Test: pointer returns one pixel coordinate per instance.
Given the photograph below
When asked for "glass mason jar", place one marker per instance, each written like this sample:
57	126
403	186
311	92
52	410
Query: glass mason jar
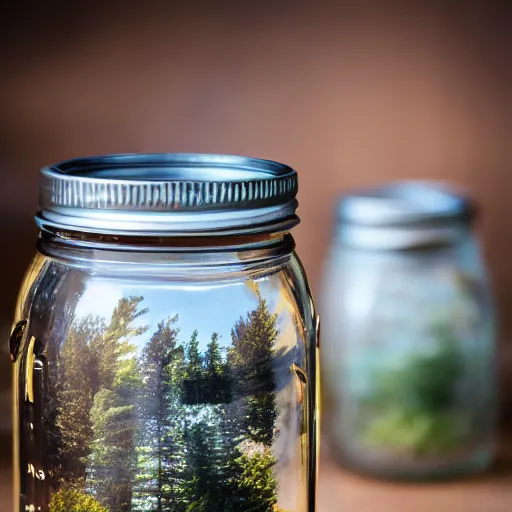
165	341
409	356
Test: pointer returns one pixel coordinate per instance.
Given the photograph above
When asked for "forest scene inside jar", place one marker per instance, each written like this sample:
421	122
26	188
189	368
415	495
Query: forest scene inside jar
164	396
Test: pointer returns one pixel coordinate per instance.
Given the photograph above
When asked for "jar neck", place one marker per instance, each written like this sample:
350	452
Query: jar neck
183	251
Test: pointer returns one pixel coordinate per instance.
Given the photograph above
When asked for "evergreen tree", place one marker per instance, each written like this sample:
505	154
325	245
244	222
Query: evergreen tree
115	343
68	499
217	382
112	461
209	420
210	453
161	450
251	357
193	385
174	458
228	433
255	483
200	466
194	359
213	356
59	316
76	394
210	432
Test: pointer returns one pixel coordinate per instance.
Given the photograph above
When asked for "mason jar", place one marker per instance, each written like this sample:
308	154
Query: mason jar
409	355
165	340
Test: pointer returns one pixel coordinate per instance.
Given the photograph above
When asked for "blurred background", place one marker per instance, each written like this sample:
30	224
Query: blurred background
350	94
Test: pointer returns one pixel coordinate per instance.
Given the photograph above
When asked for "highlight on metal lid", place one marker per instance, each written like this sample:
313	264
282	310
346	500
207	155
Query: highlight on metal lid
168	194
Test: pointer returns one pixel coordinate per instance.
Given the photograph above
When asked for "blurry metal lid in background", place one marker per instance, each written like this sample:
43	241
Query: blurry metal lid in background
403	214
405	203
168	194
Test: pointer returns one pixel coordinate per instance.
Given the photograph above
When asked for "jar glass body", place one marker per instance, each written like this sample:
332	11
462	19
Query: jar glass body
409	359
168	379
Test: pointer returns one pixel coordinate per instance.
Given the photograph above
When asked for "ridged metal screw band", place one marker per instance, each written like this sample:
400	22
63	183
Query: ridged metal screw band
77	192
175	191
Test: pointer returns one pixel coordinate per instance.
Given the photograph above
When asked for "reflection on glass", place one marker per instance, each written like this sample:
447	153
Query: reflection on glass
163	398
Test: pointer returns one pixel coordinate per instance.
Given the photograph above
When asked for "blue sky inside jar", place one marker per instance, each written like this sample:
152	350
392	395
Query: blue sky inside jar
207	308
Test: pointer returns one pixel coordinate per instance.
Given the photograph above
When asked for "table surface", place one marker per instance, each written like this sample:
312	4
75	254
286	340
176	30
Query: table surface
340	491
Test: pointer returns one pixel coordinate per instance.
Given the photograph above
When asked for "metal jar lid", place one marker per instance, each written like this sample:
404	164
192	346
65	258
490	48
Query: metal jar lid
403	214
168	195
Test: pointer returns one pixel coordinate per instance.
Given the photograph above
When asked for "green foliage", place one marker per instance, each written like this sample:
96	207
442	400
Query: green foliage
76	394
161	447
203	486
175	430
213	356
419	433
251	356
194	359
112	450
193	384
255	486
410	406
112	458
224	475
217	377
93	359
424	382
115	342
71	500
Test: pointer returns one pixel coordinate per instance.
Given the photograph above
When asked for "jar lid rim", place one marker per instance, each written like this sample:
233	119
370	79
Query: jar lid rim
167	193
405	203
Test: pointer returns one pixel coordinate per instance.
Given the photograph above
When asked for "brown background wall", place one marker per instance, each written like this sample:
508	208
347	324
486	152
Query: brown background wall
348	96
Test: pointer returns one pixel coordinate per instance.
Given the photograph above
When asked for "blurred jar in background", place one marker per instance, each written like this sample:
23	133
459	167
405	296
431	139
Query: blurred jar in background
409	357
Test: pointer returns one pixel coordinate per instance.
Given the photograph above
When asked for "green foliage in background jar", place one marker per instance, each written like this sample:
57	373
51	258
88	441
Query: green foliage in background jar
71	500
411	406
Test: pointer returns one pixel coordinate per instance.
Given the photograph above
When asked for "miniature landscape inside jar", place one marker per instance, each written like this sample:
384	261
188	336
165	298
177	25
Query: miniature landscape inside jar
161	395
417	369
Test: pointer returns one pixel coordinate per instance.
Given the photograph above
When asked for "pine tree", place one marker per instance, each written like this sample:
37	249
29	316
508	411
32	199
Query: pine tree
194	390
161	450
76	395
210	433
194	359
68	499
199	464
251	356
112	461
59	316
217	382
255	484
174	461
210	453
115	343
